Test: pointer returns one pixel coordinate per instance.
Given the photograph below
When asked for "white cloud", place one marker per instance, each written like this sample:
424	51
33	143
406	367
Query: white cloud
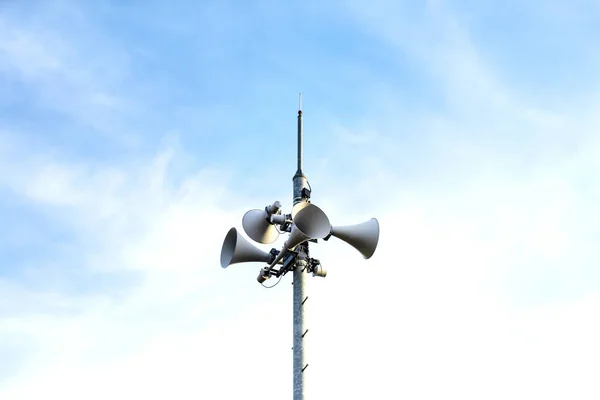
175	250
458	300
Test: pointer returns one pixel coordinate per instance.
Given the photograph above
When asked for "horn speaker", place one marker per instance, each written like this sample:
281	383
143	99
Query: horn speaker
236	249
310	222
363	237
258	227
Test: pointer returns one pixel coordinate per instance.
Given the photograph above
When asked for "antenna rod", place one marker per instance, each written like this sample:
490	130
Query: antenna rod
300	133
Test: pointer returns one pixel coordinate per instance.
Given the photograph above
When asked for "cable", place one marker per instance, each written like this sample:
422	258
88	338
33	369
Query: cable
276	283
309	187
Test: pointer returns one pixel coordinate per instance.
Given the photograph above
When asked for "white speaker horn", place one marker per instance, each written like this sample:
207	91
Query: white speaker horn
363	237
258	227
310	222
236	249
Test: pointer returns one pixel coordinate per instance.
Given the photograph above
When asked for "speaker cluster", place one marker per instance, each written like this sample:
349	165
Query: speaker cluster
307	222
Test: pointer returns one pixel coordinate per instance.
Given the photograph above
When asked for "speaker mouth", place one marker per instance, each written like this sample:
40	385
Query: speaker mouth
313	222
228	247
258	228
236	249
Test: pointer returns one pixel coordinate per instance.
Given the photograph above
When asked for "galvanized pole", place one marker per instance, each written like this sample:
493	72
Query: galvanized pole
299	276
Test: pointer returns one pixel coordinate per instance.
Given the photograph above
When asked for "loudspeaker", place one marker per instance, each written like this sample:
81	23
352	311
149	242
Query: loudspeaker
363	237
258	227
310	222
236	249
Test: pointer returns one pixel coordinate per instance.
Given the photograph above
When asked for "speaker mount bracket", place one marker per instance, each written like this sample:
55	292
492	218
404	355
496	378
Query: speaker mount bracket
315	268
287	264
286	226
306	193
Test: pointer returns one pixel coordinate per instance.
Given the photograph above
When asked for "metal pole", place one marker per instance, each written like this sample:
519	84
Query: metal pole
299	297
299	279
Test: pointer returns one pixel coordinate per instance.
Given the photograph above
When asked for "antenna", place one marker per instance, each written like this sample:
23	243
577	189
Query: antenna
299	136
306	223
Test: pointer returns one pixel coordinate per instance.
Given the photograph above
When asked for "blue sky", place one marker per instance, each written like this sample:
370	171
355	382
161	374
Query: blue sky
133	135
